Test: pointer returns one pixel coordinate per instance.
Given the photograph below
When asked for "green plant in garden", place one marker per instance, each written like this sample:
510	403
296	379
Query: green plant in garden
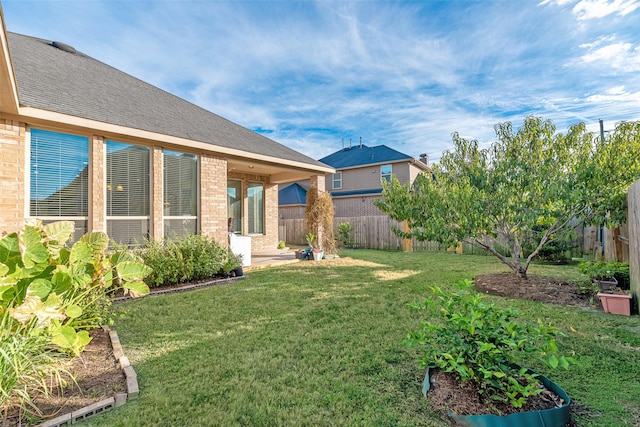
310	238
281	244
601	270
173	261
27	363
479	342
51	295
529	187
231	262
344	234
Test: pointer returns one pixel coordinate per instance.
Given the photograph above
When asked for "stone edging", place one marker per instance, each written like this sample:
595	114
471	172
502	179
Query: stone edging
177	288
106	404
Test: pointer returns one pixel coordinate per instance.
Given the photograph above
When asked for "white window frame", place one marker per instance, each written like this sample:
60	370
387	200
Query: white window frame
386	176
337	178
262	209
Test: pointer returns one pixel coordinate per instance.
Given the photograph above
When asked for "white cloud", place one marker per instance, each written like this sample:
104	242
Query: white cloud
593	9
619	56
614	94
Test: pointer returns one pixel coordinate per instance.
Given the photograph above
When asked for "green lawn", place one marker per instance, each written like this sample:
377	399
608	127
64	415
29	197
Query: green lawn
314	344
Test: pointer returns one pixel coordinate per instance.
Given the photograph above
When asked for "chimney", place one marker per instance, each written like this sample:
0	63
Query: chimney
349	142
360	142
424	158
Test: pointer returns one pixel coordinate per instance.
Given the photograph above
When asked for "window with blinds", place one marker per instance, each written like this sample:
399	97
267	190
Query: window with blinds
128	193
180	203
59	178
255	196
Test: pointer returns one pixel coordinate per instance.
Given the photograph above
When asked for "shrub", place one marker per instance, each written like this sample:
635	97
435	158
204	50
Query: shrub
344	234
202	254
173	261
479	342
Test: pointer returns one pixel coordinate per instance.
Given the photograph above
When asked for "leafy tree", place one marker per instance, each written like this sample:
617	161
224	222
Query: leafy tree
531	183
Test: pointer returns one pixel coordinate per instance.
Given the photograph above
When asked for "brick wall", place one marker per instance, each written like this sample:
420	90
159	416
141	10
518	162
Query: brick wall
213	197
157	196
97	163
12	173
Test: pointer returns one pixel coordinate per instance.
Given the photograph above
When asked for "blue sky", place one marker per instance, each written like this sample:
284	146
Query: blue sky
406	74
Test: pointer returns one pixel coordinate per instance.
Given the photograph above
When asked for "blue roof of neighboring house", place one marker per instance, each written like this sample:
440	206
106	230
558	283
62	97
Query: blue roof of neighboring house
294	194
363	155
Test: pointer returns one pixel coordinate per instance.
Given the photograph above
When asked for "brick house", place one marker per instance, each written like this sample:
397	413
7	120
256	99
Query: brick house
356	181
83	141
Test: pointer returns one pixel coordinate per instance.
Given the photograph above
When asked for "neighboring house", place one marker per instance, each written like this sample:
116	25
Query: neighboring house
359	171
82	141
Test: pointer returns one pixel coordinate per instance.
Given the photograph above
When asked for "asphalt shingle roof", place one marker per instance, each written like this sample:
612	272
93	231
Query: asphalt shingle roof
293	194
363	155
73	83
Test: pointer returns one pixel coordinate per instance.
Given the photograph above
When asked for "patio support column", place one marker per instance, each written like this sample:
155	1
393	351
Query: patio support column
318	182
213	198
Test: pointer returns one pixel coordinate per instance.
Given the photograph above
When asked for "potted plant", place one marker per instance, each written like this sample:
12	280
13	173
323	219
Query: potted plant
477	344
607	275
318	253
232	265
616	301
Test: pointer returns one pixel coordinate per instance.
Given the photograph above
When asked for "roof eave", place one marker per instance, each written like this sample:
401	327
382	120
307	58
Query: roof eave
281	170
9	100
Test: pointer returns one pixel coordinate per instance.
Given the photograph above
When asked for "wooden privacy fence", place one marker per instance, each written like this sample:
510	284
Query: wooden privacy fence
374	232
371	232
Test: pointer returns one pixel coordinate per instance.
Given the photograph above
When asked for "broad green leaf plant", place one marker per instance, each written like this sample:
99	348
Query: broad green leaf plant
52	295
531	185
480	343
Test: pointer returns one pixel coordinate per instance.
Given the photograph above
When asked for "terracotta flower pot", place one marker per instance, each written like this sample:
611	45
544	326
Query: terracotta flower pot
616	303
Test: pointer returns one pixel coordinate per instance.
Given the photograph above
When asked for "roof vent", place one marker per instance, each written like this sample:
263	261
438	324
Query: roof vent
64	47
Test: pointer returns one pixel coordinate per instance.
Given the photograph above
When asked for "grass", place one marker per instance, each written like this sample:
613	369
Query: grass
314	344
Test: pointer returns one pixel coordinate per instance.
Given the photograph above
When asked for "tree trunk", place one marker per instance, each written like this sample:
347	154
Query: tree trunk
517	266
